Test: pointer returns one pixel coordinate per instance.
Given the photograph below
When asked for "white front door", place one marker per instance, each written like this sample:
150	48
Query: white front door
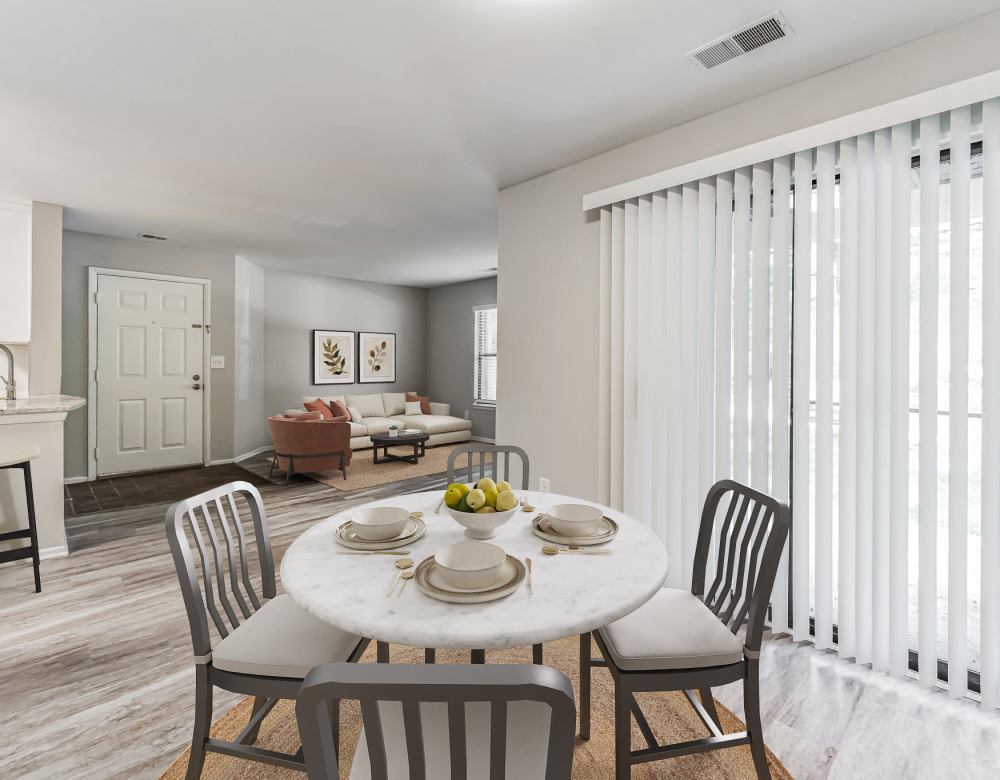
150	373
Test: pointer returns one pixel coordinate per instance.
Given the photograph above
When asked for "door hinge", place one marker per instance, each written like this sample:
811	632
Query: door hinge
95	374
95	453
97	298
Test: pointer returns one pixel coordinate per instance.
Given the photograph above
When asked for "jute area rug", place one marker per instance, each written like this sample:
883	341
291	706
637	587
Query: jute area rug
669	714
363	473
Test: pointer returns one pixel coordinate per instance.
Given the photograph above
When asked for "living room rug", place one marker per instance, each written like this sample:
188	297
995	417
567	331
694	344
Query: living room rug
363	473
669	714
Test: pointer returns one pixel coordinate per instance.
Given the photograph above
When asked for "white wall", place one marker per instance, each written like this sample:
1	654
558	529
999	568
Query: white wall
296	304
451	351
82	250
548	248
250	413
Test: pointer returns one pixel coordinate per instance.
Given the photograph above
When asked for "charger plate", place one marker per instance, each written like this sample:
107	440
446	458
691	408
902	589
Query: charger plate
413	530
429	581
540	528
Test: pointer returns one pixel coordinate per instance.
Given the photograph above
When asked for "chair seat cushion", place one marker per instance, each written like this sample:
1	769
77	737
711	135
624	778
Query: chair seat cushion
673	630
527	741
433	423
282	640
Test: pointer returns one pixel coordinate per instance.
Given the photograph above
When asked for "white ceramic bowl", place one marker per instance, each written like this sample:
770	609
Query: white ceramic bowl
470	564
481	526
575	519
379	523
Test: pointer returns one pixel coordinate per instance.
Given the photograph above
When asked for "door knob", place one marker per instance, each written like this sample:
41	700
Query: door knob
196	377
196	386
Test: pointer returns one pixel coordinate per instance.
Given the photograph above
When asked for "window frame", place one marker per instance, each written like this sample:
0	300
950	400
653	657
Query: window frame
477	357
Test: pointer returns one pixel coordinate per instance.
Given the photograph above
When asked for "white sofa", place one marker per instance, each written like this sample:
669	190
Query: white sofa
379	410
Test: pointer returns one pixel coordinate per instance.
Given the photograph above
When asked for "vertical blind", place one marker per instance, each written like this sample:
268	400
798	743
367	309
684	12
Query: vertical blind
818	326
485	346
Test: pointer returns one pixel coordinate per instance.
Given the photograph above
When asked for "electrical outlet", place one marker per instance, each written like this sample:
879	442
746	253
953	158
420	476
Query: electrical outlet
218	361
543	485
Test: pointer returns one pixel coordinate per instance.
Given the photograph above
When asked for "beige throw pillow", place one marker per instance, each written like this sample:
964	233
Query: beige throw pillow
413	407
394	403
369	405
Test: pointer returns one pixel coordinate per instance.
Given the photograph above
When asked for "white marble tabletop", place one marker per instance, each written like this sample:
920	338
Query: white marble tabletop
572	593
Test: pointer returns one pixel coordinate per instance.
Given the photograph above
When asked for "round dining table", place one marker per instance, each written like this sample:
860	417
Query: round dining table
571	593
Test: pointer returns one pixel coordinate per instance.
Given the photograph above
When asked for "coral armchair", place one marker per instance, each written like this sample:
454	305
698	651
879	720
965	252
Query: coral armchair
304	444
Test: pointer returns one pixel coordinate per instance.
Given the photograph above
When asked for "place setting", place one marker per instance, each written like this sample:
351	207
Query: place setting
380	530
574	526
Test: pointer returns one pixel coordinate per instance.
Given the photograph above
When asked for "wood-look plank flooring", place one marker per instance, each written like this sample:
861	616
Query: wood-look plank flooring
96	678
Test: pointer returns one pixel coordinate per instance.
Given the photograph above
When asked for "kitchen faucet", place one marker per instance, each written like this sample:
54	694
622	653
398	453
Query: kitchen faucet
9	380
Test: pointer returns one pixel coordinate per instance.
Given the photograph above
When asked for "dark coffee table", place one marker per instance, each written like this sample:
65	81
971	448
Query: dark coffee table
384	441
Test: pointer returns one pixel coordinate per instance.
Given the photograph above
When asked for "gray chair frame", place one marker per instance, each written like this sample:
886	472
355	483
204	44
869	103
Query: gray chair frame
751	539
221	544
486	468
412	684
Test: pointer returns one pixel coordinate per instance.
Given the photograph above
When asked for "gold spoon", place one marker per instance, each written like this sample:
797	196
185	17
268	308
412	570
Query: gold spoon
402	564
407	576
574	548
531	590
418	515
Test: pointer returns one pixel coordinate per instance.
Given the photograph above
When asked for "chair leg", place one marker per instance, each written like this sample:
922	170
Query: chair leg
274	462
708	702
429	655
202	722
751	707
258	703
381	652
623	732
585	686
29	494
536	654
477	656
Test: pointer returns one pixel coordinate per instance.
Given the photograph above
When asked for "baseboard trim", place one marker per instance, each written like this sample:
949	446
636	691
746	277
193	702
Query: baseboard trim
75	480
483	439
221	461
256	451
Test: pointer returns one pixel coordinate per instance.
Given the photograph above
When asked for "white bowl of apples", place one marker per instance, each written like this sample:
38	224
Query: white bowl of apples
481	508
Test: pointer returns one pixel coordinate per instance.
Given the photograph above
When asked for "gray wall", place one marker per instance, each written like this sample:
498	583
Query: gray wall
296	304
549	249
450	337
250	411
81	250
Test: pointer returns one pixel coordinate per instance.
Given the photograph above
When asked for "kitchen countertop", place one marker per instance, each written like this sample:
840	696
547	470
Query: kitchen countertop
41	404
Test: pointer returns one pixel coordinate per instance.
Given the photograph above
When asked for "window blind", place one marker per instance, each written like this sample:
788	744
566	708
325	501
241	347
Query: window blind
816	326
485	345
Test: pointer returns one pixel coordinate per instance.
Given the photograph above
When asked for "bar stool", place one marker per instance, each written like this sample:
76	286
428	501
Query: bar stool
20	458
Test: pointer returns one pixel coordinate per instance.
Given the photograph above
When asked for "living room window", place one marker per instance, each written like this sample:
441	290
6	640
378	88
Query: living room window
485	345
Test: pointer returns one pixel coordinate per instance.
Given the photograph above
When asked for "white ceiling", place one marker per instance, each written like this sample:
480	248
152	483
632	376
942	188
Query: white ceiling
368	139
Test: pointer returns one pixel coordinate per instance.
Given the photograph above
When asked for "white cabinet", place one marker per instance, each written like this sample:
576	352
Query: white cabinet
15	273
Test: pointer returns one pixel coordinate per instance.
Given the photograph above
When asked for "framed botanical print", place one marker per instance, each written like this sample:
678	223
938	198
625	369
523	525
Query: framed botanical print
377	357
333	357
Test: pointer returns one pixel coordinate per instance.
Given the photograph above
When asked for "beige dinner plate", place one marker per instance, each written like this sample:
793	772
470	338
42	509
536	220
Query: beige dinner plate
540	528
512	574
413	530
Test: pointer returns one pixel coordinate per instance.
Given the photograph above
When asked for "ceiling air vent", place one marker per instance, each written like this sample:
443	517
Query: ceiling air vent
760	33
151	237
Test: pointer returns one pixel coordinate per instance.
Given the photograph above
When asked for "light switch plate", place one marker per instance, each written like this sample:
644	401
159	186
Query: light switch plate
218	361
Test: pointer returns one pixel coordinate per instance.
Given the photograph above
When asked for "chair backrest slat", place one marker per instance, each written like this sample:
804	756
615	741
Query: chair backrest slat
498	740
244	565
411	685
372	721
748	548
474	451
456	740
193	520
231	559
414	739
220	579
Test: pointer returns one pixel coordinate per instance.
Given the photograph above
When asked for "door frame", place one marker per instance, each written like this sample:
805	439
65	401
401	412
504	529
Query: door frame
93	272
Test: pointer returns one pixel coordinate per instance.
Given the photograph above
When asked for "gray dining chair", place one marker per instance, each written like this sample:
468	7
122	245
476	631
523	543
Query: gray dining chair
687	641
484	460
267	644
469	722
